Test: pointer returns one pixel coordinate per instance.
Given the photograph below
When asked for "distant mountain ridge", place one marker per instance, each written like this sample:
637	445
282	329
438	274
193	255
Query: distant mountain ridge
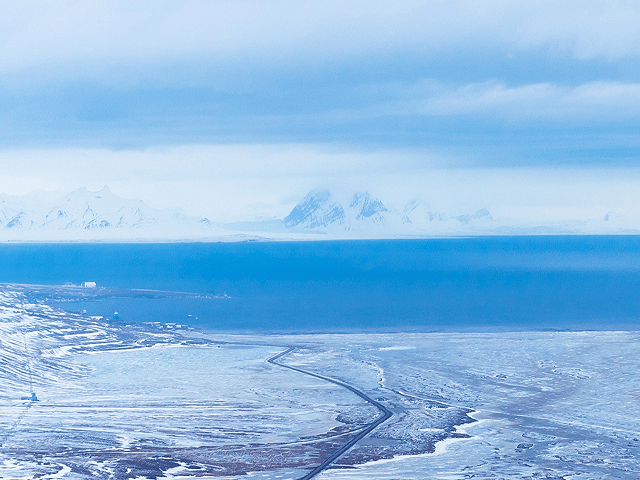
83	213
319	211
365	216
96	216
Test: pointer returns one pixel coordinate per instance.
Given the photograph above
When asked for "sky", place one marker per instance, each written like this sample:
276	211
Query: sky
236	109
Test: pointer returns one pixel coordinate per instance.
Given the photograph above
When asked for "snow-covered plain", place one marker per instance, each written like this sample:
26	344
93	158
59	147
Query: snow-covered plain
136	401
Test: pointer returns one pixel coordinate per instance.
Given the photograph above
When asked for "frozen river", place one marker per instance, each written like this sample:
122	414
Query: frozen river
162	401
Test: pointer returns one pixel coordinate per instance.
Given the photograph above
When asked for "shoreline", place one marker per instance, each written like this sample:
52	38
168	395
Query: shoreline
302	237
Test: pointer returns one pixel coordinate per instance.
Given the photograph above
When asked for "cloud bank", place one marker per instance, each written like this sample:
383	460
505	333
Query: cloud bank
38	34
243	106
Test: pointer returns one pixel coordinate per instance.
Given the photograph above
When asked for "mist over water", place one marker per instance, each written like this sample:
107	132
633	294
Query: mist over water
519	283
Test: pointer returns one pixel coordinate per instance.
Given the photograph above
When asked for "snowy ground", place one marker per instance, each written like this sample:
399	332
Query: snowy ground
547	405
136	401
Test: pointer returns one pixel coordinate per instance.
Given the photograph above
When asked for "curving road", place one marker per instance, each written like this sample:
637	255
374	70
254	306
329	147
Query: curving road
385	412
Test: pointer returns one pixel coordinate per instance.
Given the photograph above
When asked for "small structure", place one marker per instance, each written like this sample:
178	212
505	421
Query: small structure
33	398
88	284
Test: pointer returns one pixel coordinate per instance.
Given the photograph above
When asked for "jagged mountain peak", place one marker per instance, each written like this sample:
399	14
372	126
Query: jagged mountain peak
83	210
317	209
411	206
105	193
366	205
366	214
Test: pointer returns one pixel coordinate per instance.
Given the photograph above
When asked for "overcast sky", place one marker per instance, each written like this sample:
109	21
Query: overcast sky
237	108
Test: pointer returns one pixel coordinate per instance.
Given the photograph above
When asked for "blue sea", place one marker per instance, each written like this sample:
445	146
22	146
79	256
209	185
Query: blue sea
513	283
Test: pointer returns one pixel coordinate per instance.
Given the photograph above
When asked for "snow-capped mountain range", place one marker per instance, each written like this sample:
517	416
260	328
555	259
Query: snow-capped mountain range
85	215
320	210
366	215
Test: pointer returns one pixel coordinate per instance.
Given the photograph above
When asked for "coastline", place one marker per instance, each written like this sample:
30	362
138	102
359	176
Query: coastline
242	237
432	381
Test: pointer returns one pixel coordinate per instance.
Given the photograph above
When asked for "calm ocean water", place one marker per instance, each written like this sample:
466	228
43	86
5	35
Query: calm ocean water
575	282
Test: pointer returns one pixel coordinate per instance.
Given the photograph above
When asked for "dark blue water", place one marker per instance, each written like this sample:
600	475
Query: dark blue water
476	283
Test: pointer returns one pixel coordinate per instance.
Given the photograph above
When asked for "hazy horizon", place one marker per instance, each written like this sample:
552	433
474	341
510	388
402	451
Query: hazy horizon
237	110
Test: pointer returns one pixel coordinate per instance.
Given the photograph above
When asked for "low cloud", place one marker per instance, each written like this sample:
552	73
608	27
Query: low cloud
99	35
241	182
592	102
